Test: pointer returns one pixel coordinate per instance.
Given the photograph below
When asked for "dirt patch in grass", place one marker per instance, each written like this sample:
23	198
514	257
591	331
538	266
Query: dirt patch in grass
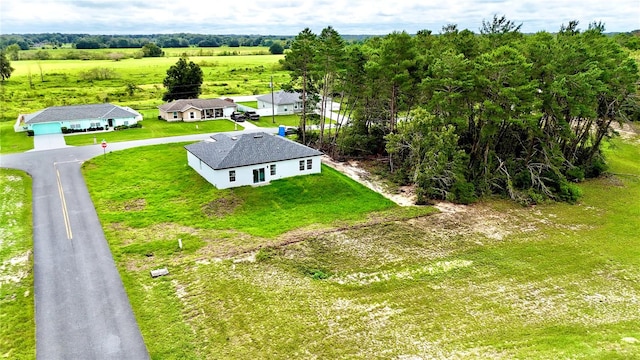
404	197
613	180
135	205
627	131
15	269
130	235
221	207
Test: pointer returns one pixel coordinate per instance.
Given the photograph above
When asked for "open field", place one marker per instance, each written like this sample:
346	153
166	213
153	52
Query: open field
69	52
36	84
17	333
493	280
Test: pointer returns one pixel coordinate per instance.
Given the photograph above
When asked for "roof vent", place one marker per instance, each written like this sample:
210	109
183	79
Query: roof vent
234	138
257	136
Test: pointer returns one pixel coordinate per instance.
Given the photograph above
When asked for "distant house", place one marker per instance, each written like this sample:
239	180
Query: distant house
77	117
250	159
284	103
197	109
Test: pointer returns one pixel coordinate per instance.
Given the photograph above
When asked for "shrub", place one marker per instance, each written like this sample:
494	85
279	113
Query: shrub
595	167
575	174
463	192
569	192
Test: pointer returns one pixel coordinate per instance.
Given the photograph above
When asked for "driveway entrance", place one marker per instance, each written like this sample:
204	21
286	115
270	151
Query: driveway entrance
48	142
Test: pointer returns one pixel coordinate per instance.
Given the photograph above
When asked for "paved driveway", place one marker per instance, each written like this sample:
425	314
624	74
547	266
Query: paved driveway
48	142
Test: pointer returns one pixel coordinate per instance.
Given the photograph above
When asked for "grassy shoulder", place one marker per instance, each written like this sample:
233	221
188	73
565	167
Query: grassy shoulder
152	127
286	120
17	333
11	141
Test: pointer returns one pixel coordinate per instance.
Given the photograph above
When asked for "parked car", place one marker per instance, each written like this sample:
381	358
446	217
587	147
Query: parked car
290	130
238	116
251	115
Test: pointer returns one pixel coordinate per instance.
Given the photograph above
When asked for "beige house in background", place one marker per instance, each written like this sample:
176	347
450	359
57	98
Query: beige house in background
197	109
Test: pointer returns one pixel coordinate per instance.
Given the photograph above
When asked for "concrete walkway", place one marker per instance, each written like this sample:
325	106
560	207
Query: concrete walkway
48	142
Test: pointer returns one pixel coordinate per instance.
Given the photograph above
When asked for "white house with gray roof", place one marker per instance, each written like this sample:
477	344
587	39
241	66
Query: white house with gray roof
251	159
197	109
78	117
284	103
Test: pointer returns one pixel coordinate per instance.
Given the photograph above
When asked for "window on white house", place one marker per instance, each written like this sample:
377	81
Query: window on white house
192	115
232	176
309	164
126	122
175	114
301	165
273	169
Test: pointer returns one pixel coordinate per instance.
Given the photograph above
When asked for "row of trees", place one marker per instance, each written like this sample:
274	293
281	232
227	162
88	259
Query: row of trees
462	114
85	41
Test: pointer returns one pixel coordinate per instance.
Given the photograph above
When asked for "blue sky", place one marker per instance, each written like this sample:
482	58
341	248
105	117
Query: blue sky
285	17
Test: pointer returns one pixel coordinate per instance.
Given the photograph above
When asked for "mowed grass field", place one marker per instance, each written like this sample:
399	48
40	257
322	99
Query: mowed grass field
314	267
17	329
37	84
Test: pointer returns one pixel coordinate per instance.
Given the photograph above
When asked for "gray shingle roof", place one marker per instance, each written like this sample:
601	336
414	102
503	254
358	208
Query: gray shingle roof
201	104
223	152
281	98
79	112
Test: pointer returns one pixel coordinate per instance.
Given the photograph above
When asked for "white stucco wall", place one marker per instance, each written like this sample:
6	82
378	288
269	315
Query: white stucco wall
244	174
281	109
85	124
197	115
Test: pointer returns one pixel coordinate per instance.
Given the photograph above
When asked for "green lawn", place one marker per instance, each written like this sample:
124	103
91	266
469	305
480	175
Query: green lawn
287	120
261	275
165	190
152	127
11	141
251	104
17	332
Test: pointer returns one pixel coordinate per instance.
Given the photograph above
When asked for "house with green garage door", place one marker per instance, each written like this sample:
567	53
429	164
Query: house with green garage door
78	118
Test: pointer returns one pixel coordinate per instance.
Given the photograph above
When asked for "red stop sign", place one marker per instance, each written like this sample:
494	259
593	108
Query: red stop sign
104	144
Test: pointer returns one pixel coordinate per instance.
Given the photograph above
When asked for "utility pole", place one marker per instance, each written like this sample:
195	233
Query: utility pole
273	113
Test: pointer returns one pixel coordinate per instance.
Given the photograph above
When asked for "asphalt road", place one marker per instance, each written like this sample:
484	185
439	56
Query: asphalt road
81	308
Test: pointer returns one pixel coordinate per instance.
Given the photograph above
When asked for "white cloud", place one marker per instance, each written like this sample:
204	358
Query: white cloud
284	17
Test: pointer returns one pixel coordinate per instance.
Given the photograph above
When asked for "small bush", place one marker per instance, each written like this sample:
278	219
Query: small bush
575	174
569	192
317	274
595	167
463	192
265	254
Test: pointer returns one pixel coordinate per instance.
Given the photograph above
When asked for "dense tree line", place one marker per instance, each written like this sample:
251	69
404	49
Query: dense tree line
86	41
463	114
